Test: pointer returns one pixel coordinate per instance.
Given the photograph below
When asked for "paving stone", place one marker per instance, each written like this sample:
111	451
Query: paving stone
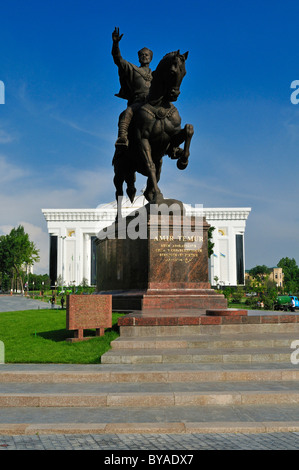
149	443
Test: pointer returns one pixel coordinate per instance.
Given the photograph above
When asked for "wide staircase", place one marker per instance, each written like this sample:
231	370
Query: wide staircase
171	375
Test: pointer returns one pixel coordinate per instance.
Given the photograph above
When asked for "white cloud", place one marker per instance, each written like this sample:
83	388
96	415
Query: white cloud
102	133
23	195
41	241
5	229
10	172
5	137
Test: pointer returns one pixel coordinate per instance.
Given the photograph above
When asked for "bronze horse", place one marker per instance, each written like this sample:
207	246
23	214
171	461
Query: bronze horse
155	131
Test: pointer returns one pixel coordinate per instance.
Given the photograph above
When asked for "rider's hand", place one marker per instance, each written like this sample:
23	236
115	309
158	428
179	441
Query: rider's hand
115	36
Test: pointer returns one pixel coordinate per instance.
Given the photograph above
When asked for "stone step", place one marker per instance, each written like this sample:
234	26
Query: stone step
241	340
259	329
147	373
148	398
182	420
149	395
196	355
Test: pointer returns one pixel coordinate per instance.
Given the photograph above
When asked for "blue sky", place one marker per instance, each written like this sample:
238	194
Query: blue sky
59	121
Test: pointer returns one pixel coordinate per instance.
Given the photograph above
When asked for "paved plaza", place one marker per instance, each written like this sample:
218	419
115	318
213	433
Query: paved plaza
153	442
15	303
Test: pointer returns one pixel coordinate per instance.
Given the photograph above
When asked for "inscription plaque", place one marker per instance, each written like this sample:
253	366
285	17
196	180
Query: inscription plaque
87	312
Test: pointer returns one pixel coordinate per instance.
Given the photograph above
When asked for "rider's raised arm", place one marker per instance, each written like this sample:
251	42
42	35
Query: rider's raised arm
116	37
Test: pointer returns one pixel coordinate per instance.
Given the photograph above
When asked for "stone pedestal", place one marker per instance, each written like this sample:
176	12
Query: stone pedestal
151	261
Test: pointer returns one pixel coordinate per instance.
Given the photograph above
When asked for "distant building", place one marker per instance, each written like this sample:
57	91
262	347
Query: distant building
73	233
277	276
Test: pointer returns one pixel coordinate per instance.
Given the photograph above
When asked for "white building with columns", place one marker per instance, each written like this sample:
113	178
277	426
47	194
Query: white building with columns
73	233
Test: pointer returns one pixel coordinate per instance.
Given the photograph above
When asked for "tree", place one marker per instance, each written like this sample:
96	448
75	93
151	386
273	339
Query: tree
259	271
227	292
237	294
259	278
291	274
210	243
39	282
16	253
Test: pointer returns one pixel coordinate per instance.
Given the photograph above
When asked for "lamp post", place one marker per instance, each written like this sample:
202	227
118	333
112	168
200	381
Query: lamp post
62	259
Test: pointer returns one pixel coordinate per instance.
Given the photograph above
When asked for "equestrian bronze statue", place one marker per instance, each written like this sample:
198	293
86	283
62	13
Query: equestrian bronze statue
150	127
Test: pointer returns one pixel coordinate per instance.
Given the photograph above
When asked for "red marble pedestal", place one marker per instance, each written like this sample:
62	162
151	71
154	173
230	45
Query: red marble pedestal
161	270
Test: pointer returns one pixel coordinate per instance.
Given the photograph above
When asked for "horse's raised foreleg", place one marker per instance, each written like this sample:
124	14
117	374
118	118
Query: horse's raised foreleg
184	135
182	162
176	140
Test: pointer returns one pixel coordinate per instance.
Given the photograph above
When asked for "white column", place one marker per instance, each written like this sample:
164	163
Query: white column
232	255
86	257
61	271
79	274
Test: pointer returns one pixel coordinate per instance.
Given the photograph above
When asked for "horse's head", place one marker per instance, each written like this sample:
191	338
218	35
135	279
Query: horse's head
174	73
168	76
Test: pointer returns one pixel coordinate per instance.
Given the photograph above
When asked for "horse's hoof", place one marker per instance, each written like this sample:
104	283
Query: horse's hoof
131	194
148	196
182	164
159	199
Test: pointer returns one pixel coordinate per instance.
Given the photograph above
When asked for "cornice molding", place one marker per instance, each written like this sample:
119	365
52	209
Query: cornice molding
108	213
230	213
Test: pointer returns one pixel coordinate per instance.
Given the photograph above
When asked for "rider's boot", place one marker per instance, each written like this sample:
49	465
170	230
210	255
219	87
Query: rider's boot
123	128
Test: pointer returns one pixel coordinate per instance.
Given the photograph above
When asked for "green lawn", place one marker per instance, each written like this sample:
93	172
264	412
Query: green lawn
39	336
240	305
